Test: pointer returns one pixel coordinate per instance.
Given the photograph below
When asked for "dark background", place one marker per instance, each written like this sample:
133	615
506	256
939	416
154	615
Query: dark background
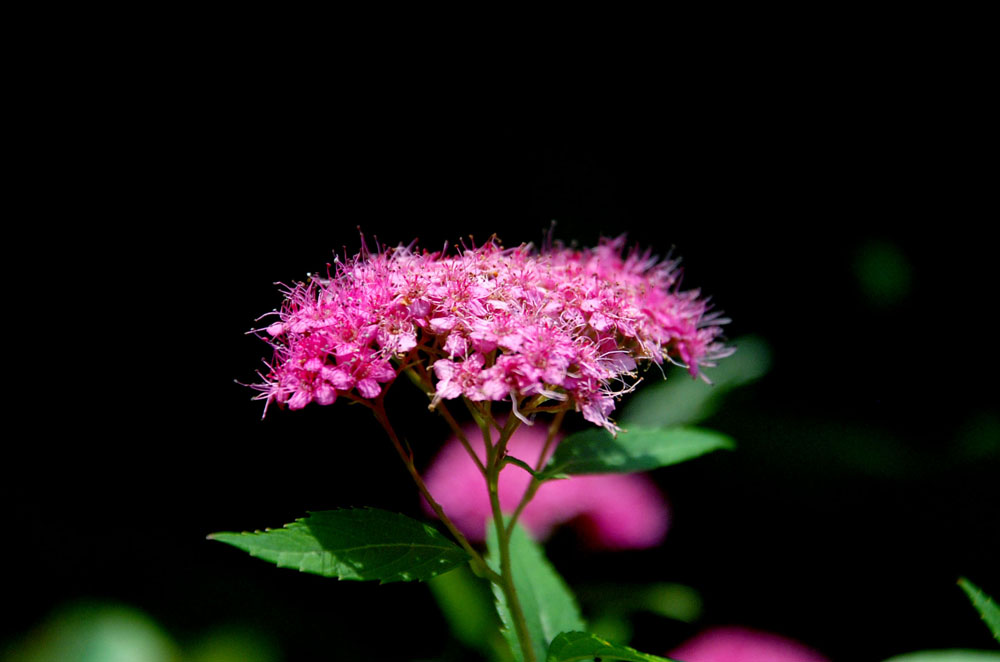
865	481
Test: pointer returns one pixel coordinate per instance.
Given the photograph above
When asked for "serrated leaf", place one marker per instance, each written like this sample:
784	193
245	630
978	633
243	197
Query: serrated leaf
575	646
679	400
362	544
956	655
548	604
595	451
984	604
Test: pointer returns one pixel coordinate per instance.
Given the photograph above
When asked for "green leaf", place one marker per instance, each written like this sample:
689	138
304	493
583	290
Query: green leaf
595	451
572	646
549	606
947	656
984	604
680	400
362	543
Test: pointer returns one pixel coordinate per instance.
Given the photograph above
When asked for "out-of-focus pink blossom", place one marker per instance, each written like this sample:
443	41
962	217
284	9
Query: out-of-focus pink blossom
739	644
564	324
617	511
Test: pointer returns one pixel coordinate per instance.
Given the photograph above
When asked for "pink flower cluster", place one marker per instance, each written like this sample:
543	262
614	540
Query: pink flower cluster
494	323
617	511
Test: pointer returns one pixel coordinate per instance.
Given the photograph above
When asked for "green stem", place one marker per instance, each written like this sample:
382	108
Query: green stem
493	467
533	486
491	471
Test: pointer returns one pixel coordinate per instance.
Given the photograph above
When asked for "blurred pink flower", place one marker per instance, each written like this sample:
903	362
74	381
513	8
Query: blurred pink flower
618	511
739	644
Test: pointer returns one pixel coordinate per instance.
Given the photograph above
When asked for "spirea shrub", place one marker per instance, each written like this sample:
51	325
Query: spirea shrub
517	336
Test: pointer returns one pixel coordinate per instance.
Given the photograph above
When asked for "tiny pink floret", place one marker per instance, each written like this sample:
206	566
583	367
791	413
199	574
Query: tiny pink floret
614	511
562	323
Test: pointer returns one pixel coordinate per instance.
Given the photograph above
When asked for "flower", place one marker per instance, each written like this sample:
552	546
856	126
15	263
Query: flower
739	644
489	324
617	511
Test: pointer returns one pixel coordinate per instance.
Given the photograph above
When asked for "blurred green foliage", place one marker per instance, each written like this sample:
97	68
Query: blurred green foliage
93	632
947	656
883	273
101	632
680	400
979	437
467	605
666	599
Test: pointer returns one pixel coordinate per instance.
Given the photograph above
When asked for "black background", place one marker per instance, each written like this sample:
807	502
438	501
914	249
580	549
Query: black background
185	202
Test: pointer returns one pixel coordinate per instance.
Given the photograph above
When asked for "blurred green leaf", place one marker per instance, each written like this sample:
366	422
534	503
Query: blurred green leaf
97	633
666	599
680	400
614	627
578	646
549	606
467	606
595	451
883	272
984	604
947	656
978	438
233	645
676	601
363	543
